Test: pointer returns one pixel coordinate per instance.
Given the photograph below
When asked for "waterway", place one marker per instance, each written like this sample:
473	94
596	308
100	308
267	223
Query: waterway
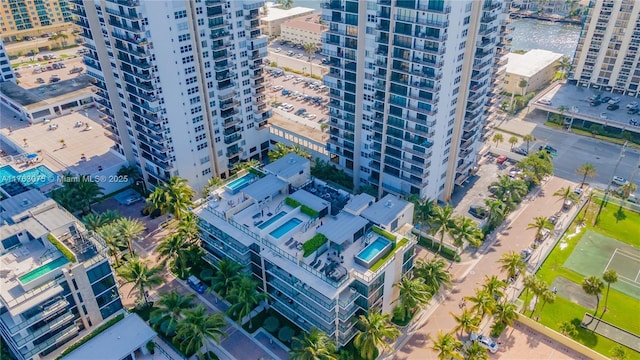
536	34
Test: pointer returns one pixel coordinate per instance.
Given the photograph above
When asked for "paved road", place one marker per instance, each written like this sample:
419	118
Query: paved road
301	64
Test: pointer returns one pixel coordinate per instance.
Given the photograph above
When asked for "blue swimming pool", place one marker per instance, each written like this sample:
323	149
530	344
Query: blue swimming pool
43	270
285	228
266	224
373	252
38	176
237	184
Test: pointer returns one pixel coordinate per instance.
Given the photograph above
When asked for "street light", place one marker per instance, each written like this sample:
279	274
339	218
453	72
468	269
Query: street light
606	192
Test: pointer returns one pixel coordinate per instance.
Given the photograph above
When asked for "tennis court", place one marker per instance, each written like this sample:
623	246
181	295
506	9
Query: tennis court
596	253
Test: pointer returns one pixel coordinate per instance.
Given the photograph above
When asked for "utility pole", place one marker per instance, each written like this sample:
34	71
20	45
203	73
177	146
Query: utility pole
606	192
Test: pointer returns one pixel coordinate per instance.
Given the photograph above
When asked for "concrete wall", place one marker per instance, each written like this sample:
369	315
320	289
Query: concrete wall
571	344
301	36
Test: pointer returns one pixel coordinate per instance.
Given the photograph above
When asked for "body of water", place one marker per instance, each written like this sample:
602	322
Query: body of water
535	34
313	4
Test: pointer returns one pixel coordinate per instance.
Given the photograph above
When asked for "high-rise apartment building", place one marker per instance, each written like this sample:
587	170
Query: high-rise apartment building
55	279
607	52
323	256
6	72
409	81
19	18
181	81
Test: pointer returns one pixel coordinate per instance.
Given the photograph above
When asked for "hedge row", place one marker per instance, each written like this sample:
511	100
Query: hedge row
90	336
446	253
63	249
313	244
303	208
384	233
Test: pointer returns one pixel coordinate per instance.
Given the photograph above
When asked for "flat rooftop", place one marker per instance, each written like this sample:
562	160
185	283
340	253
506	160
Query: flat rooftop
278	14
576	100
116	342
290	165
53	93
531	62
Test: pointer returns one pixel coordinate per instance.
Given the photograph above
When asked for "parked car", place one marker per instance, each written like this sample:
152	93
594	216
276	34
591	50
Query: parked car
278	88
550	150
553	219
501	159
633	199
520	151
485	342
595	102
633	111
286	92
544	101
605	99
594	97
288	77
196	284
478	211
40	81
526	254
614	100
613	107
278	50
620	181
632	105
297	80
310	116
300	111
578	191
76	70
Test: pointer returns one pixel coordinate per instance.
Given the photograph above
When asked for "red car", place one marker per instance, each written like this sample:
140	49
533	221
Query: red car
501	159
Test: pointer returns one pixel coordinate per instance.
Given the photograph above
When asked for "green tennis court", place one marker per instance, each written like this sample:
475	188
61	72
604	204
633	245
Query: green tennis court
596	253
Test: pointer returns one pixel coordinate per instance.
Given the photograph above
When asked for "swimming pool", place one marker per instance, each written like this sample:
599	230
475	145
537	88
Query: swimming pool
38	176
237	184
373	252
43	270
285	228
266	224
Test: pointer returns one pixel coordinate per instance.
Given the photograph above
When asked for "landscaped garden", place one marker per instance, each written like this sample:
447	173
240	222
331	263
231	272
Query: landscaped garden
593	267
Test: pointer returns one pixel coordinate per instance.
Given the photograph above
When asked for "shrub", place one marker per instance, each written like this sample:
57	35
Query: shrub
313	244
309	211
255	172
383	233
90	336
63	249
446	253
292	202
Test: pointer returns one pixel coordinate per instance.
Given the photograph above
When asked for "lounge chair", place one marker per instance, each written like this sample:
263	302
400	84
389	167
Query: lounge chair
313	262
318	264
288	242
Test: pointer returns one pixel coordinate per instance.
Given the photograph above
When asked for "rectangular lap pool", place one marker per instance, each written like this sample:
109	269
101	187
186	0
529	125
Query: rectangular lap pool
239	183
285	228
373	252
38	176
42	270
266	224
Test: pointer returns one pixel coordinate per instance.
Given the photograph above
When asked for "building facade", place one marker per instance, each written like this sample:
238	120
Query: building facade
607	54
303	31
25	18
322	255
275	17
537	68
56	280
6	72
182	83
409	81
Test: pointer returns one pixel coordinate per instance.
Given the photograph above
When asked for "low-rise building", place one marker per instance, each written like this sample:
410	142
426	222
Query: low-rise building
303	30
537	67
275	17
323	256
6	72
55	281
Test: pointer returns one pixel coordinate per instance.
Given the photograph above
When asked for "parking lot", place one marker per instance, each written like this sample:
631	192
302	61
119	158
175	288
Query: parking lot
300	92
296	51
34	76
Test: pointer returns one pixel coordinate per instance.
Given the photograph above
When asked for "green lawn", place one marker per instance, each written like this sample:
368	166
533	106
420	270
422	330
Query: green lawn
620	304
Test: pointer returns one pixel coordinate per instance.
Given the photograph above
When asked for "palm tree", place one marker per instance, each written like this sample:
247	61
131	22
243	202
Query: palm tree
483	303
413	293
169	311
446	345
224	278
464	231
566	194
174	247
130	172
188	228
522	84
610	277
57	37
434	273
563	66
87	193
423	209
310	49
441	222
314	345
540	223
111	236
548	297
173	197
528	139
494	286
568	329
286	4
138	273
513	140
129	230
593	286
94	221
509	191
197	327
529	282
497	212
505	313
244	298
512	263
467	321
376	331
618	353
586	169
627	189
475	351
213	183
538	288
497	138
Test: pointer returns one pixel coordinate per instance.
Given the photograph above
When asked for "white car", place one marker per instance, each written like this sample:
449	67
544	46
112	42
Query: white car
310	116
603	115
299	56
544	101
632	105
298	80
277	88
485	342
287	78
620	181
278	50
614	100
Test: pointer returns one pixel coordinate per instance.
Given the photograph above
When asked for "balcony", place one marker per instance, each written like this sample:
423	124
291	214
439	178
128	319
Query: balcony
133	51
128	3
151	144
149	116
130	15
143	76
141	124
218	34
253	6
124	26
82	23
433	50
234	151
136	40
333	5
132	62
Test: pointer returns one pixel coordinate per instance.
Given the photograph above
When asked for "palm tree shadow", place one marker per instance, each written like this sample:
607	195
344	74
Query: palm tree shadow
620	215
